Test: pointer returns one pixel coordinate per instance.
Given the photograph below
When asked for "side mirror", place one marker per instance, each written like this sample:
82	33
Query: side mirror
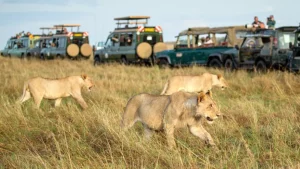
237	47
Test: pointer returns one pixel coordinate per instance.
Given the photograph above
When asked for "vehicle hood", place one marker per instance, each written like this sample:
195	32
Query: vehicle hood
231	51
164	53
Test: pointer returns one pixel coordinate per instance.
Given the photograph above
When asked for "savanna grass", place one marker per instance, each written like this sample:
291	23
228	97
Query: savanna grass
260	127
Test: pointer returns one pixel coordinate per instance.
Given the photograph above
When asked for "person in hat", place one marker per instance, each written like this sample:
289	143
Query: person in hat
271	22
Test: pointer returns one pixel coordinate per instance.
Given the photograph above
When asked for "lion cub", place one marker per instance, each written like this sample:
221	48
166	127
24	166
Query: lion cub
166	113
56	89
204	83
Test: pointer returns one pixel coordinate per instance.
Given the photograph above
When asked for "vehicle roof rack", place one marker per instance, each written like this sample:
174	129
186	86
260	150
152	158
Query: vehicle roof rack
132	20
62	26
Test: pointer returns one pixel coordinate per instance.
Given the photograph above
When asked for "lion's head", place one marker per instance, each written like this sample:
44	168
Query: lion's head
220	82
207	108
88	82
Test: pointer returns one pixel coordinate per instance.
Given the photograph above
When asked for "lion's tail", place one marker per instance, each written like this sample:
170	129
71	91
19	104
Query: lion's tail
24	92
165	88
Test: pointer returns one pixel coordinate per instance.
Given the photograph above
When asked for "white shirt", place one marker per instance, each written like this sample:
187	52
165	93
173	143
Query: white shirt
208	42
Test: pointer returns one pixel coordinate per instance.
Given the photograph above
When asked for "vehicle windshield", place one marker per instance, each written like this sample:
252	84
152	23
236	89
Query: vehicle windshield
284	39
253	42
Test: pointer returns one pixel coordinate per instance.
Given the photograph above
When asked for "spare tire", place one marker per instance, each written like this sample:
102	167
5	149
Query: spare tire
160	46
73	50
86	50
144	50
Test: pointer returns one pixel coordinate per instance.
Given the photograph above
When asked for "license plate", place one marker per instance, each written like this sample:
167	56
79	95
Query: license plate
77	34
149	30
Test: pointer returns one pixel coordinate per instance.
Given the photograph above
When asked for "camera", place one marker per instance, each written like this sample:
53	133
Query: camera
268	18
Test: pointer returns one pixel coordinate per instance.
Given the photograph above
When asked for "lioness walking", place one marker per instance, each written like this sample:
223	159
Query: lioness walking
166	113
204	83
56	89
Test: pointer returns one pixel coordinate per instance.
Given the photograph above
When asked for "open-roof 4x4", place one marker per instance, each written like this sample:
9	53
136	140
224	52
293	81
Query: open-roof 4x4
190	48
131	42
262	49
68	43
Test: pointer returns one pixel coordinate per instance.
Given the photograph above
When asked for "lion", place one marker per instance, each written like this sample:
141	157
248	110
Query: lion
204	83
56	89
168	112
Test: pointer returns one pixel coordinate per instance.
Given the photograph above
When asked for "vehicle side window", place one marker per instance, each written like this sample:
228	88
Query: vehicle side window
284	39
126	39
62	42
182	42
221	39
115	39
37	44
108	42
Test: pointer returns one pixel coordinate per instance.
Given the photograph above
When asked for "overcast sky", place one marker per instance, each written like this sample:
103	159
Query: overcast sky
96	16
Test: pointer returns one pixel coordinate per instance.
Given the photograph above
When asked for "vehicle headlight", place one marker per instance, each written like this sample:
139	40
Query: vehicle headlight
48	53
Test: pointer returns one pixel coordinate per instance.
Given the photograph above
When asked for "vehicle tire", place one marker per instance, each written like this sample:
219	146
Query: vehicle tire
9	55
163	63
215	63
28	56
59	57
228	65
97	61
22	56
123	60
42	57
261	67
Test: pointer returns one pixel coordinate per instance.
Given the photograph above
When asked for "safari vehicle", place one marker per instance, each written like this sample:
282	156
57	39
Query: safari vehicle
262	49
190	49
65	44
294	64
9	45
133	43
22	44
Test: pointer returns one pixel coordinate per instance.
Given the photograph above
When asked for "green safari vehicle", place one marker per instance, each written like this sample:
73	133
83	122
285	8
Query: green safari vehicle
191	49
263	49
136	42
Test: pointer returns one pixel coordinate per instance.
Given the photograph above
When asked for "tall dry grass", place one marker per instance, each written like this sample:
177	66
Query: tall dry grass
260	127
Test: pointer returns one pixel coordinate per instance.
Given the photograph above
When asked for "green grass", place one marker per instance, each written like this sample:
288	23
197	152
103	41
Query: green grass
260	127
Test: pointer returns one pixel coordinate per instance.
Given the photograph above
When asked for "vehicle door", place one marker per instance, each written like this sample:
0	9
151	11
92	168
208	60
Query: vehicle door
16	47
250	49
109	48
183	51
56	47
7	47
127	45
62	46
199	53
282	46
35	51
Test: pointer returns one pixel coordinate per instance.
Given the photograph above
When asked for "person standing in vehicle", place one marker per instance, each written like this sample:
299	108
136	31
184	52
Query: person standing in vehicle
257	23
271	22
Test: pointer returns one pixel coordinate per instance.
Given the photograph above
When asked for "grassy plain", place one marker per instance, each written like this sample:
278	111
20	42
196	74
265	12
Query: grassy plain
260	127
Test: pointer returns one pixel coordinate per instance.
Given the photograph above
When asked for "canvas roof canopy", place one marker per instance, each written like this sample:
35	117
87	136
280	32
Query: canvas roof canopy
132	18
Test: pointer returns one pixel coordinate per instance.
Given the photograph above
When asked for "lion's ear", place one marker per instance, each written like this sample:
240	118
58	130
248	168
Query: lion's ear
219	76
84	76
209	93
201	97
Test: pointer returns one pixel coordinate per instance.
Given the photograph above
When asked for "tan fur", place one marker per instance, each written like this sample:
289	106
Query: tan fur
204	83
166	113
56	89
